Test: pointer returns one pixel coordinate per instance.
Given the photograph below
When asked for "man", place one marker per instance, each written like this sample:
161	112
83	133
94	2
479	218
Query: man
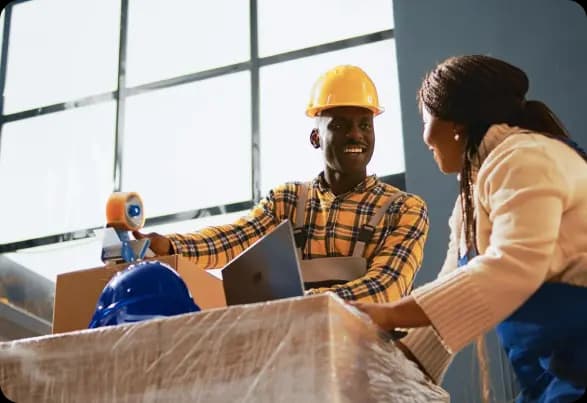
357	236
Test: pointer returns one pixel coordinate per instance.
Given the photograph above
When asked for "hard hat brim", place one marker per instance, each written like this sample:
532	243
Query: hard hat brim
315	111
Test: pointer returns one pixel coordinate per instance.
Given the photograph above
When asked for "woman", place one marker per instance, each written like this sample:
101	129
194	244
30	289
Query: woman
517	256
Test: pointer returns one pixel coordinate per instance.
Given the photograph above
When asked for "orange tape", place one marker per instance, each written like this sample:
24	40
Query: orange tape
117	211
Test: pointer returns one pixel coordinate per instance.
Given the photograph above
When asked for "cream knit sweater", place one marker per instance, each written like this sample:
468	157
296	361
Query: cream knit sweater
531	210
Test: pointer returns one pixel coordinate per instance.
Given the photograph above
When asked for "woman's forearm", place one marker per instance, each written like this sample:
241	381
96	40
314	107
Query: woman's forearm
406	313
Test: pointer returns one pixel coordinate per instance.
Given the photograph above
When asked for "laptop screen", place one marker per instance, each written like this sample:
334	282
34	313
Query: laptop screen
267	270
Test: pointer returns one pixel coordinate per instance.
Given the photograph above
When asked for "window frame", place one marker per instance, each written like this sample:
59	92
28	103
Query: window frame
122	92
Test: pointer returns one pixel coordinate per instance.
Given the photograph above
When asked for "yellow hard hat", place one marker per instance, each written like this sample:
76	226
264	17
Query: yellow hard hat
343	86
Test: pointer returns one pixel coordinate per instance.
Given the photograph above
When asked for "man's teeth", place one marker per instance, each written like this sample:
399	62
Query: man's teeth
353	150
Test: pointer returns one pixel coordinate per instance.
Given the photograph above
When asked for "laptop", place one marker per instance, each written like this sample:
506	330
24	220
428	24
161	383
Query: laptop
267	270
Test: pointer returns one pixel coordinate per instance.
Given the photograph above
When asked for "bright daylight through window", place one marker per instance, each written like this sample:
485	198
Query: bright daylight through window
198	110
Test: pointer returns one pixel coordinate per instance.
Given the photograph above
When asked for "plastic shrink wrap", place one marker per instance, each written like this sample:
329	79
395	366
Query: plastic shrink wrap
310	349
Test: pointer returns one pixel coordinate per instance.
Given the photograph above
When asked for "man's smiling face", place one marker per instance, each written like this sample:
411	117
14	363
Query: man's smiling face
347	139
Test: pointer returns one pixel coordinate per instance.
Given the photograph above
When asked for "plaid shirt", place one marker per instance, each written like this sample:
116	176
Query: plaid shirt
394	254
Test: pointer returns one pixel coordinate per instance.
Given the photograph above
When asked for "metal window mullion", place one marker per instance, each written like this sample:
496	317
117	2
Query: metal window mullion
327	47
188	78
166	219
4	62
63	106
120	98
15	2
255	113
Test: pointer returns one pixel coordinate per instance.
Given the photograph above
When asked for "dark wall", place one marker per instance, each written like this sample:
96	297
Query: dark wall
547	39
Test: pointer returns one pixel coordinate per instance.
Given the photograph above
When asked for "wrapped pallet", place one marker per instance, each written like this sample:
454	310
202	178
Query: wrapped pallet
310	349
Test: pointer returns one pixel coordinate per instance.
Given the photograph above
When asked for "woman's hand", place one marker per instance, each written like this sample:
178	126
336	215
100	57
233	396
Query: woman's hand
405	313
381	314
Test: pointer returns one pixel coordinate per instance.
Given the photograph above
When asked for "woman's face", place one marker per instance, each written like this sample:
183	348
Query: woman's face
446	140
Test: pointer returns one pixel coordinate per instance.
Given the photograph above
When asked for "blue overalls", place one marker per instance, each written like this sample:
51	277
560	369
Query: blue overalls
546	342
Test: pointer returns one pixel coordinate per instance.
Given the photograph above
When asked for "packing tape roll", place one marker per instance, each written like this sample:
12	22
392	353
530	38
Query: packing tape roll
124	210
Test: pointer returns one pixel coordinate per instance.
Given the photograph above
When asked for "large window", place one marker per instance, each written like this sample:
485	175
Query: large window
198	106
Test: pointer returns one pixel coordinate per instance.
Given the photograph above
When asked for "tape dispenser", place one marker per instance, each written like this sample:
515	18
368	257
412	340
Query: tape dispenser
124	214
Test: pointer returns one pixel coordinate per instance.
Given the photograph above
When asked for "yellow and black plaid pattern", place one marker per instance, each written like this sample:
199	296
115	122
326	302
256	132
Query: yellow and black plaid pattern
394	253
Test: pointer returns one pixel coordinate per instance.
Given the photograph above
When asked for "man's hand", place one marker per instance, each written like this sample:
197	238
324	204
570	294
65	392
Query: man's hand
160	245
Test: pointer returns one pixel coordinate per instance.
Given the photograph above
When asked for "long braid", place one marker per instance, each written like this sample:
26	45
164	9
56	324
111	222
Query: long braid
469	223
468	206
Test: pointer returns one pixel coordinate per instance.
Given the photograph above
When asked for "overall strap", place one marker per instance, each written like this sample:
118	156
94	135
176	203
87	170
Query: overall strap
300	234
367	230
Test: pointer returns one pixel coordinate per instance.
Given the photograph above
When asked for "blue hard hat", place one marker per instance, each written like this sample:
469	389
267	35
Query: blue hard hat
143	291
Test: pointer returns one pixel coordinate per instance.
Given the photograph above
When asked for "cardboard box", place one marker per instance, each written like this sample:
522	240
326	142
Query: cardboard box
304	349
77	292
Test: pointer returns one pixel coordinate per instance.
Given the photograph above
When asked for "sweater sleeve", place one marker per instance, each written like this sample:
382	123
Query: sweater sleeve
425	343
521	193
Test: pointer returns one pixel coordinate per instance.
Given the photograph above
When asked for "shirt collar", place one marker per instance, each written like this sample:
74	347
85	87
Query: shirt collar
369	182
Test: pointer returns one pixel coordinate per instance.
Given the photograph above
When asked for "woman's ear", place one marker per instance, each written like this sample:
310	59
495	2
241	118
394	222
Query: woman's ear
315	138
